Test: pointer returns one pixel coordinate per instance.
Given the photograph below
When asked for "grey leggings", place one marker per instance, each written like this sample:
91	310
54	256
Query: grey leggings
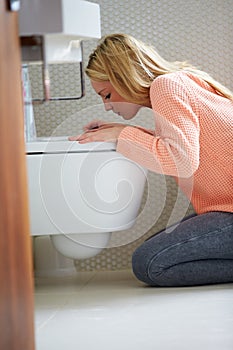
197	251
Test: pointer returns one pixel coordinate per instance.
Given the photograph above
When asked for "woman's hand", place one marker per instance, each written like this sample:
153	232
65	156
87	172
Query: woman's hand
104	132
94	124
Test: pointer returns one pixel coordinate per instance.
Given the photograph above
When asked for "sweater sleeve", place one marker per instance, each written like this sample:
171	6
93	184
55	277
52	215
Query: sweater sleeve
174	147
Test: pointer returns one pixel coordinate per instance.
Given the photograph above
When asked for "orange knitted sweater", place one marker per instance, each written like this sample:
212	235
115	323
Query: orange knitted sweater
192	140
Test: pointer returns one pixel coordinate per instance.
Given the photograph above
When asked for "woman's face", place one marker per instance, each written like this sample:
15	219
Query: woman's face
113	101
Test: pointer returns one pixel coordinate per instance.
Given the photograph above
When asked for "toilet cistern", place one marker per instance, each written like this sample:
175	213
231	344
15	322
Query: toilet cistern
80	193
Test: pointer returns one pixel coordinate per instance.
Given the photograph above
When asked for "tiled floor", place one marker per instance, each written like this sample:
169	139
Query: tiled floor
113	311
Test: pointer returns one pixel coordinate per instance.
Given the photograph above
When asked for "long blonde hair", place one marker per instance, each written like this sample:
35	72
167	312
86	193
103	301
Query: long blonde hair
131	66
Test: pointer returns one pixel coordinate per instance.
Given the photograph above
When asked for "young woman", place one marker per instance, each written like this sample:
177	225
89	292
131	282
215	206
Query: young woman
192	142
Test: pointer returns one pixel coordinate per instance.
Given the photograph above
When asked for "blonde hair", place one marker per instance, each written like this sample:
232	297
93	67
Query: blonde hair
131	66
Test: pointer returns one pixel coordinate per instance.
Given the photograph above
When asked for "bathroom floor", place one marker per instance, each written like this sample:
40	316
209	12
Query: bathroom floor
112	311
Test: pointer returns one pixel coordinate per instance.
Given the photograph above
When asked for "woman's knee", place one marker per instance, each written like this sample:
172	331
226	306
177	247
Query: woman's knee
186	273
141	265
204	258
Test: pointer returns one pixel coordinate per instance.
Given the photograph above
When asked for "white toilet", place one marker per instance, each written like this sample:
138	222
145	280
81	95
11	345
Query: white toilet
80	194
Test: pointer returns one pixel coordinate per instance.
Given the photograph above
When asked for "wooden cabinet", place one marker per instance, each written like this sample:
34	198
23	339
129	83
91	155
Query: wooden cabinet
16	281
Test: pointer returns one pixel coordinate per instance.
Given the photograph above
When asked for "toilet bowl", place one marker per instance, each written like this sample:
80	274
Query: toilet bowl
80	193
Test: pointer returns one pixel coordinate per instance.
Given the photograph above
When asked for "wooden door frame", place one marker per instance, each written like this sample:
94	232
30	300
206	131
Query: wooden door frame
16	272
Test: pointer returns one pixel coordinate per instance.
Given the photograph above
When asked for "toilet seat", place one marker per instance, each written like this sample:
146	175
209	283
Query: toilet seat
59	144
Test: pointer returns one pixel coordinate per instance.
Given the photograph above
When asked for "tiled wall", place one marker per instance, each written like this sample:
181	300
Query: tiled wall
199	31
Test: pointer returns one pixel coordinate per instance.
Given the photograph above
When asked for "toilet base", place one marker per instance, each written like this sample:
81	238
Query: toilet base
48	262
81	245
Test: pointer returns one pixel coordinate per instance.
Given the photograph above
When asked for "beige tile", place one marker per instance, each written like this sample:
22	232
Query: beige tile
114	311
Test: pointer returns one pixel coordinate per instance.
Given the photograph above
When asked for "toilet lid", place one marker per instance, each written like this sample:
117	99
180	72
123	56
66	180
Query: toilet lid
61	145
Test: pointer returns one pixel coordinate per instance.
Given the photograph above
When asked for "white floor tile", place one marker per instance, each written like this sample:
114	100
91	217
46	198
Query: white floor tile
112	310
